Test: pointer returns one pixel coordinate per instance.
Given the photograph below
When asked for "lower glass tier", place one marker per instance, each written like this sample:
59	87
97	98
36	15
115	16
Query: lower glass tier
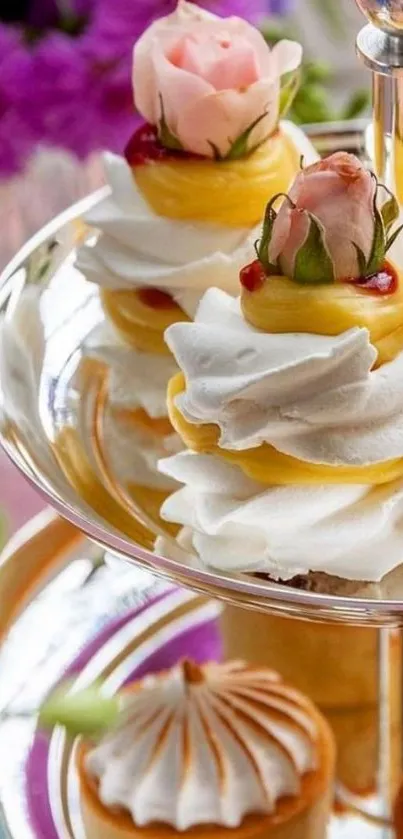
85	614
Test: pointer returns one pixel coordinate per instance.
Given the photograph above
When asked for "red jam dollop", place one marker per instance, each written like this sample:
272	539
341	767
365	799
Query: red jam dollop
384	281
155	298
252	276
144	147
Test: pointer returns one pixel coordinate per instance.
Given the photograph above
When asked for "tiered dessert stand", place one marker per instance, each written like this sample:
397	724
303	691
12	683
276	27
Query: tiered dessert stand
57	589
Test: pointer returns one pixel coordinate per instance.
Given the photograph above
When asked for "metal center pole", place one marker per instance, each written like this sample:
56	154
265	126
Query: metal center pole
382	53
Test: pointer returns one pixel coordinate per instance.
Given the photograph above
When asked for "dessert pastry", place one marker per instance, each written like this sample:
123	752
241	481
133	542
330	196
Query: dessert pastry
338	668
312	656
185	199
209	750
290	398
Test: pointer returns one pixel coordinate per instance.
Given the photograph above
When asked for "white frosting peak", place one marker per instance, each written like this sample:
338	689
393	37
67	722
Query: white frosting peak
310	396
205	746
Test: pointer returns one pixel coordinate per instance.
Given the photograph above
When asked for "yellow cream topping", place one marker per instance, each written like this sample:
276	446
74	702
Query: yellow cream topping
281	305
232	193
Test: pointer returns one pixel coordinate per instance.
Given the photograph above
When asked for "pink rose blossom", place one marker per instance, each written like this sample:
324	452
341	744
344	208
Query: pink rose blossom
74	91
339	192
210	79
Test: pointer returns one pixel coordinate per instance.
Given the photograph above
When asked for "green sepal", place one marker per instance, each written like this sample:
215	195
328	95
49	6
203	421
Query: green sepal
239	147
216	151
86	712
313	263
393	238
262	245
290	85
165	135
362	262
389	210
377	254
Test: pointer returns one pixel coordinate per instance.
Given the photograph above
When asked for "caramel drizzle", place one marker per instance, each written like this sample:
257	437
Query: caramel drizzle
245	716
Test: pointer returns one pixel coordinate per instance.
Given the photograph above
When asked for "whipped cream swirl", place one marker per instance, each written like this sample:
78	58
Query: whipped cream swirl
314	397
233	523
205	745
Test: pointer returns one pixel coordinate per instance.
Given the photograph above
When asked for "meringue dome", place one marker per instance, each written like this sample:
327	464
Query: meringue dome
209	745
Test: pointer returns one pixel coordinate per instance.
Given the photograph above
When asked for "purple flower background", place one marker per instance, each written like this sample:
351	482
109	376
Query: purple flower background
74	91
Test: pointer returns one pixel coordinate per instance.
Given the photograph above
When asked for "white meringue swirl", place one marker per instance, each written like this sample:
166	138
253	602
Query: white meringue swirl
206	746
310	396
233	523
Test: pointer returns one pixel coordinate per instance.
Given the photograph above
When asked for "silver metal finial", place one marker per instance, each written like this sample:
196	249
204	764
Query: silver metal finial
380	45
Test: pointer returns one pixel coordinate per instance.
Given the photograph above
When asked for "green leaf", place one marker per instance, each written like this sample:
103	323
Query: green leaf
317	72
166	137
313	263
389	210
311	104
86	712
358	103
216	150
377	254
290	84
393	238
264	242
262	245
362	262
239	147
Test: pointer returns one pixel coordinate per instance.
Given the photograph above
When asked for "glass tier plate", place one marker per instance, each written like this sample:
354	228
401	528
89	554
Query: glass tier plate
56	427
69	609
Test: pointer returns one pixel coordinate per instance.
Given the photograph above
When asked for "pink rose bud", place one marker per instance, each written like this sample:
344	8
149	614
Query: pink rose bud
211	85
333	225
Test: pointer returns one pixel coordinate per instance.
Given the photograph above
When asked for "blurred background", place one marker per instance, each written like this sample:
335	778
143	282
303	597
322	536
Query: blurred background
65	95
